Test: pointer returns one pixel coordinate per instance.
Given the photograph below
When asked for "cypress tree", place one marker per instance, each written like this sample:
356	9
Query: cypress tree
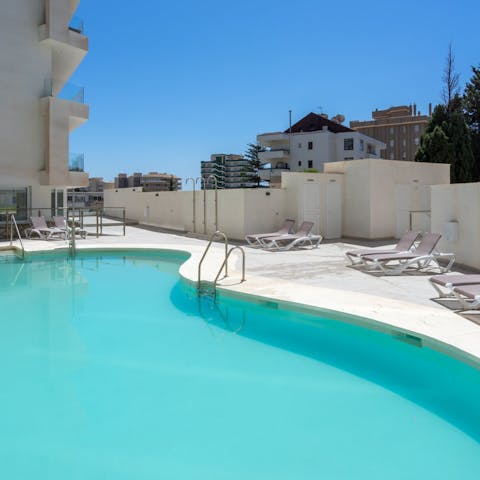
471	106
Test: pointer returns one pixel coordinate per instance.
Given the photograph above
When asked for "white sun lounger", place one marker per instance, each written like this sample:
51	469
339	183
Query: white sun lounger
42	230
469	296
255	239
444	284
61	224
422	258
302	238
405	244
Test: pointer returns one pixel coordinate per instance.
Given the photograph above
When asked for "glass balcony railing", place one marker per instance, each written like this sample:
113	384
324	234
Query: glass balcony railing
70	91
76	162
77	25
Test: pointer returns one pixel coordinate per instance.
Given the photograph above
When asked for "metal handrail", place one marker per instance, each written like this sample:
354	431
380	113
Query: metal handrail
225	263
71	243
205	181
14	222
218	233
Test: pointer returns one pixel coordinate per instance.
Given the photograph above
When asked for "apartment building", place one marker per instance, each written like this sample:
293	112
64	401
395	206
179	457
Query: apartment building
400	128
229	171
149	182
309	144
41	45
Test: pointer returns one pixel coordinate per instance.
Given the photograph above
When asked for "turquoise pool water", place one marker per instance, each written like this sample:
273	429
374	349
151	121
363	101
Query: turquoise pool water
111	368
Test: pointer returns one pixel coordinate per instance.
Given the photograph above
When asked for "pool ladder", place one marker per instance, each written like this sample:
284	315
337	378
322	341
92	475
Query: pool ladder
210	288
13	223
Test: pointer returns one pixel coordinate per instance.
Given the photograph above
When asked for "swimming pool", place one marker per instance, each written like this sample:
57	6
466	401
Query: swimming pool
112	368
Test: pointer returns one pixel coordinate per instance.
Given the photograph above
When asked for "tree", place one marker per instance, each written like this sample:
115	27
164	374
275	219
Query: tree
471	107
450	79
447	140
254	162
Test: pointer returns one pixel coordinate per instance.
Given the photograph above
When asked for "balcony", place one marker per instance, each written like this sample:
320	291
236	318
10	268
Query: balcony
76	162
267	156
64	36
269	174
274	137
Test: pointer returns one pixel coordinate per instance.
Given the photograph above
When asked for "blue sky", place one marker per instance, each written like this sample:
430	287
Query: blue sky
170	82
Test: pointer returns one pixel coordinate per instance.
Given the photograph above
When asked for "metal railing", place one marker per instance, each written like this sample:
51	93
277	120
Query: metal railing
97	217
225	263
14	223
217	234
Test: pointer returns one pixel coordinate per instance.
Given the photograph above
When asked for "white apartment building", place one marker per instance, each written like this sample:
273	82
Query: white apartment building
41	45
229	171
309	144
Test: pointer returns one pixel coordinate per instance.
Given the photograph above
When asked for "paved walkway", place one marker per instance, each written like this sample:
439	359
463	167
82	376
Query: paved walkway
319	278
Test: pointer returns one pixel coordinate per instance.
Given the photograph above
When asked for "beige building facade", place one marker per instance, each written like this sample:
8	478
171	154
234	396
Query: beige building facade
400	128
41	45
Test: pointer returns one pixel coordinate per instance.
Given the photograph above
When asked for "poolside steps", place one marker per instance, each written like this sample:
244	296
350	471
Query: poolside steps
206	288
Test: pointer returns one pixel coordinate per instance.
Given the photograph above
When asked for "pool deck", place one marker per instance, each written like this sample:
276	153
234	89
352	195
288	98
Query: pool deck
317	278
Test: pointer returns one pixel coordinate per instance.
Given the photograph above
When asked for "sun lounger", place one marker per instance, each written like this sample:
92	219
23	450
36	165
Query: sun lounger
42	230
422	258
255	239
444	284
469	296
61	223
302	238
405	244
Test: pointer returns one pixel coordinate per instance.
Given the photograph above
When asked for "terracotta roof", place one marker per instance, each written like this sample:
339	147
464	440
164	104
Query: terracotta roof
314	122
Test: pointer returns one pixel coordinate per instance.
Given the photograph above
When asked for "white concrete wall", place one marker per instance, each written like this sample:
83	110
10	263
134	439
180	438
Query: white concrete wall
379	193
240	211
459	203
361	198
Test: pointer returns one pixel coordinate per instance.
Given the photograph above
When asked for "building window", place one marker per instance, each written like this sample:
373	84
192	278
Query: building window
348	144
362	145
392	156
13	200
404	129
391	130
299	145
417	128
392	143
299	163
310	145
348	158
310	164
417	141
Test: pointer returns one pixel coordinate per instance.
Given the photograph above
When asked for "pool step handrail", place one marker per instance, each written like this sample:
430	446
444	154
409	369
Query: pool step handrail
14	224
217	234
225	264
72	248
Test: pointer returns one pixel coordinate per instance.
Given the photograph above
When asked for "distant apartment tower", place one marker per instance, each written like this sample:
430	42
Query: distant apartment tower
309	144
41	46
149	182
400	128
229	171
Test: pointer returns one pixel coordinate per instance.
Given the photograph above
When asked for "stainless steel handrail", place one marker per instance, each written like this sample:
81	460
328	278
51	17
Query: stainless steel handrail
218	233
72	233
14	222
225	263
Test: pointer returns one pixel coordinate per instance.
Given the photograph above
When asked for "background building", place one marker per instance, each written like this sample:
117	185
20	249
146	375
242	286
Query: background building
41	45
230	171
400	128
309	144
149	182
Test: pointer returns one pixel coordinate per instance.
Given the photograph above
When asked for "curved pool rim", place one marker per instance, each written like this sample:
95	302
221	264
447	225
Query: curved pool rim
408	335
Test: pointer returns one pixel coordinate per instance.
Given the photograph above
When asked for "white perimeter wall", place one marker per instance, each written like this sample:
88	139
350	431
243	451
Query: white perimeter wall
459	204
368	198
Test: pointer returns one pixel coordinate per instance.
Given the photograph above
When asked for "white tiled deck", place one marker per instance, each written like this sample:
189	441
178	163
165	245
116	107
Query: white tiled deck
319	278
